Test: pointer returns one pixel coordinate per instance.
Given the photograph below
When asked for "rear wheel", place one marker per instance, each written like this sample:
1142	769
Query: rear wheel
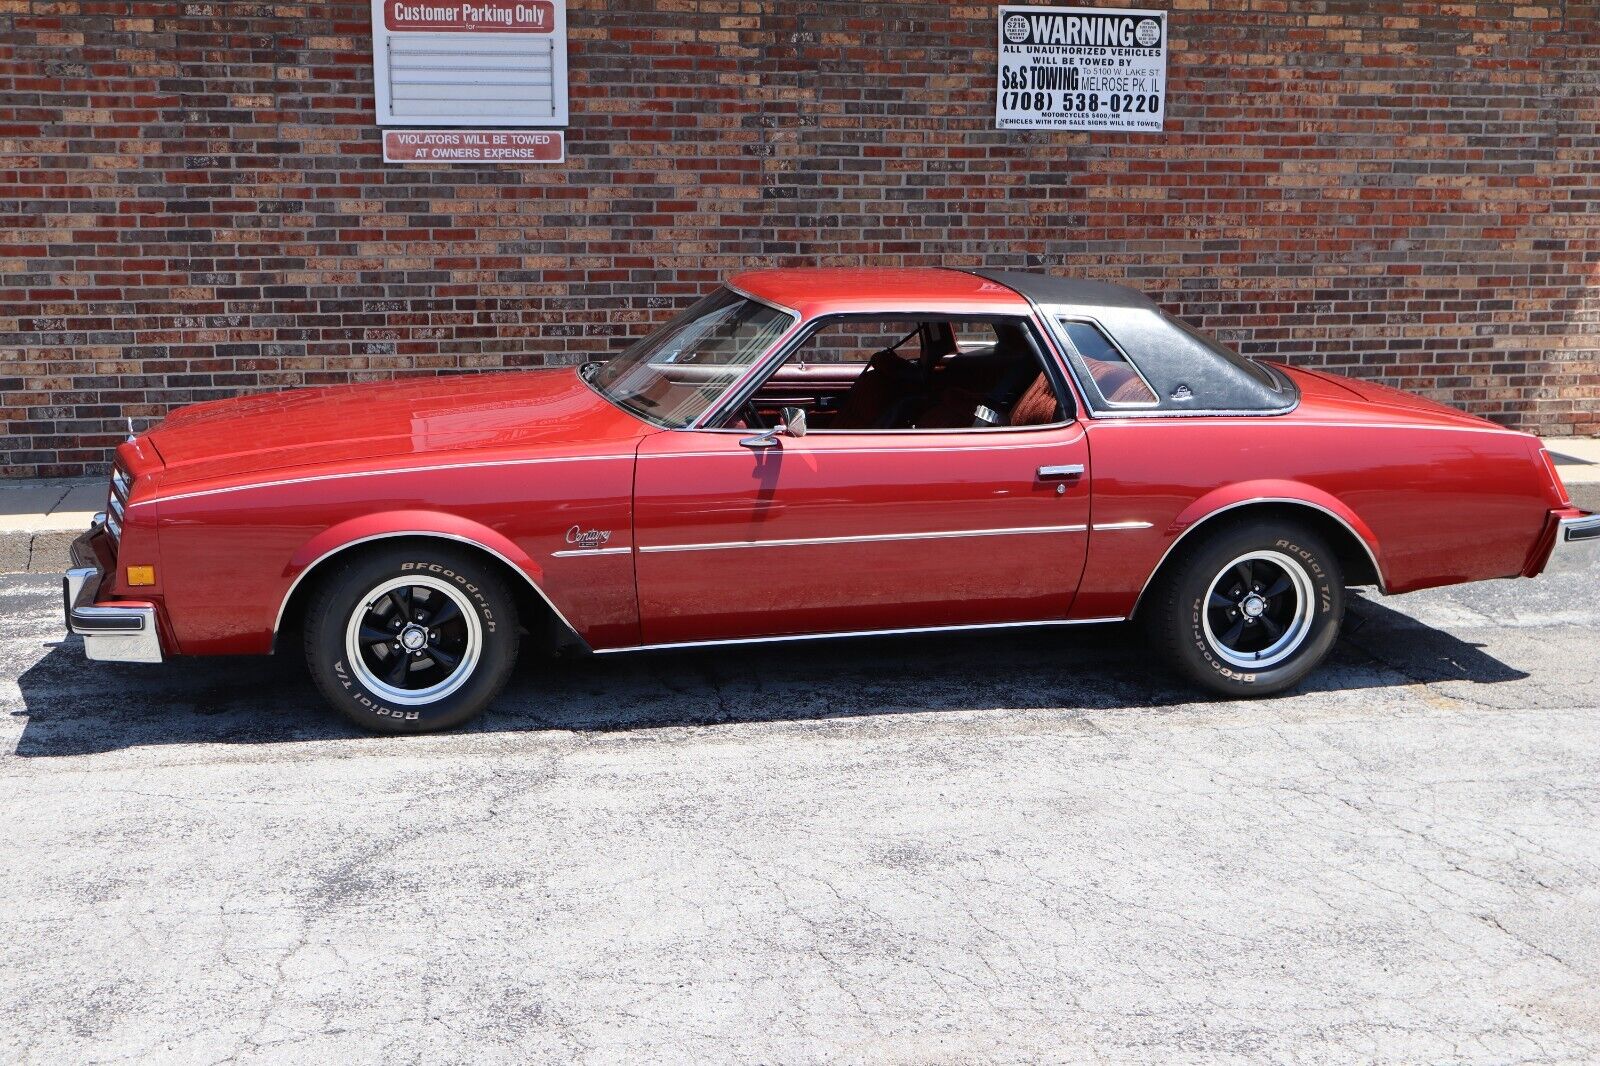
1251	609
411	639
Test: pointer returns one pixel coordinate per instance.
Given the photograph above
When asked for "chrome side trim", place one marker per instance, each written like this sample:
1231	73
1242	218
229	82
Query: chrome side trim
860	633
330	553
383	473
1197	523
1106	527
570	552
1220	418
799	542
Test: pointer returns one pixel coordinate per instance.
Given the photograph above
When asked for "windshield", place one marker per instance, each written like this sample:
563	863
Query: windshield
675	374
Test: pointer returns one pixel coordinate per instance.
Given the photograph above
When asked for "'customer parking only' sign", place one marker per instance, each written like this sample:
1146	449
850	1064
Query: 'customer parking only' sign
1082	68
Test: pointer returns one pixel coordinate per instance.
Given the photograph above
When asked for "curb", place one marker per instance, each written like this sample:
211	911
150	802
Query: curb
40	552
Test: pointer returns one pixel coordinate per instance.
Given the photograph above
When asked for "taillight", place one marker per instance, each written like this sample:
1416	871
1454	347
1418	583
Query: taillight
1562	498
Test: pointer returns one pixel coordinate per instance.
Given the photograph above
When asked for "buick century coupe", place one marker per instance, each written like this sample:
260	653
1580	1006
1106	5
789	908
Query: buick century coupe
804	454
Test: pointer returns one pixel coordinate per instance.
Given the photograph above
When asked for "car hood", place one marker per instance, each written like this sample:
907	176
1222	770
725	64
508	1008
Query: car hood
413	416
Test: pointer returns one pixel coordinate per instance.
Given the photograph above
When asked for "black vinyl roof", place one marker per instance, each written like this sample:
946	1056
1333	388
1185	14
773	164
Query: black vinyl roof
1190	374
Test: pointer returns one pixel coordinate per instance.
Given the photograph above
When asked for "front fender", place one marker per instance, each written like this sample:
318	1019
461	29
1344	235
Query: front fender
385	524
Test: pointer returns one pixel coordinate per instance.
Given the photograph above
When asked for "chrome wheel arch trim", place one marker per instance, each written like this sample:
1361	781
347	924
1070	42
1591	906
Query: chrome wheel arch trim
1383	585
426	534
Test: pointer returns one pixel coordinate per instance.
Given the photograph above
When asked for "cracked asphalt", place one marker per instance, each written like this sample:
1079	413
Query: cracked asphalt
980	848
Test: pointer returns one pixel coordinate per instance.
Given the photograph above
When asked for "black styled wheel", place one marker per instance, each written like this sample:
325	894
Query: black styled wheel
411	639
1251	609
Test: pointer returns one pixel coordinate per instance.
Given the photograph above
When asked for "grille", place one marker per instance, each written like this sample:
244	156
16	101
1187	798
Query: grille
117	502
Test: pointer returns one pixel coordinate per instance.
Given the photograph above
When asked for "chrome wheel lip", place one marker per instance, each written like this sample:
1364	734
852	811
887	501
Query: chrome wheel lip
1294	633
440	689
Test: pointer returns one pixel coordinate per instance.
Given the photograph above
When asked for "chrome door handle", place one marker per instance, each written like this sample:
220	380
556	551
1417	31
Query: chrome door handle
1052	473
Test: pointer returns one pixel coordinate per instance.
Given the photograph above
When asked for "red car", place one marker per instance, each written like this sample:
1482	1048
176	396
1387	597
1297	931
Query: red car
806	453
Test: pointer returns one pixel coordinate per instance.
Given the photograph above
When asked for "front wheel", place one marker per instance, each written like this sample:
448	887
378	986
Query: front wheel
1252	609
411	639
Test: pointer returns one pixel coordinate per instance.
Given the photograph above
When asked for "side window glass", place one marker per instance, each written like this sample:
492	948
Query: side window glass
856	341
974	336
859	374
1117	380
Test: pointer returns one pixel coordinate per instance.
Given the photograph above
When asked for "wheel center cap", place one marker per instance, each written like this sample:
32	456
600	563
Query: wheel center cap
1253	606
412	638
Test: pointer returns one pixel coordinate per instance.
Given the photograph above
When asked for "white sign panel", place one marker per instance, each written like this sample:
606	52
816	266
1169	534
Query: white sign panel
470	62
1082	68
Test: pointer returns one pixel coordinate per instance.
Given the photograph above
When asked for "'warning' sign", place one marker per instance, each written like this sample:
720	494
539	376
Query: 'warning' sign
1082	68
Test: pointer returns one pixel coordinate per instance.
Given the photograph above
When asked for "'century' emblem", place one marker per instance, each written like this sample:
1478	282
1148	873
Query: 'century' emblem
588	538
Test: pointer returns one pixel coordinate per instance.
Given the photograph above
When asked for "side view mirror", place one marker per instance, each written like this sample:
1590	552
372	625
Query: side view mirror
793	425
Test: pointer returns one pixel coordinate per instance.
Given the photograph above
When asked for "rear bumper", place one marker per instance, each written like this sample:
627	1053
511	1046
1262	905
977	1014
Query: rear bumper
120	632
1577	535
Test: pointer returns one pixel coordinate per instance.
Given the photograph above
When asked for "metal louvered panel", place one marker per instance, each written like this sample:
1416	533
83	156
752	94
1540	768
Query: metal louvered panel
117	501
444	75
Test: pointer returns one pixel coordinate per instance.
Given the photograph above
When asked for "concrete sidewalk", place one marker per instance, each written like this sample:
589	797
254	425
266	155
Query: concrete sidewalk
40	518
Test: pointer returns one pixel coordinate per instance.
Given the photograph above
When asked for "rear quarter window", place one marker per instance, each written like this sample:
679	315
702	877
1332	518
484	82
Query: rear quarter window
1113	376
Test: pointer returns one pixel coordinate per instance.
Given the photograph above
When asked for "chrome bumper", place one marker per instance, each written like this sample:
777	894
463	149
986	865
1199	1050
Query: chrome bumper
1575	535
118	633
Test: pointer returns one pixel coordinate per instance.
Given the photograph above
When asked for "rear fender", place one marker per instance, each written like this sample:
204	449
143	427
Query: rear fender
1236	497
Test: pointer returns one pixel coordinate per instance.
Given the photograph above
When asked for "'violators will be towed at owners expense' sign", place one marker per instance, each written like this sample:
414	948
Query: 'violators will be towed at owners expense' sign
473	146
1082	68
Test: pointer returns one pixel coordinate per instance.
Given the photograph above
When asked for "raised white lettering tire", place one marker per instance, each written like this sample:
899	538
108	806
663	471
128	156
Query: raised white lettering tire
1250	609
411	639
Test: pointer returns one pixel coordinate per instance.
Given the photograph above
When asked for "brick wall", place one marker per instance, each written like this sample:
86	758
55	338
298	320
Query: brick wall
192	202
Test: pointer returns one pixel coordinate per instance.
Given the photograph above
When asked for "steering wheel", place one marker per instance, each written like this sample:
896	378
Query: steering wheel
752	417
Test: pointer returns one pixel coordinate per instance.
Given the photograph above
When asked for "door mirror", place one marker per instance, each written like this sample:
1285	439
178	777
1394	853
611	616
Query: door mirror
793	425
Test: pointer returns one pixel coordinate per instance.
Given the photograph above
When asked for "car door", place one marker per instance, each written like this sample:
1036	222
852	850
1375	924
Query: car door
857	531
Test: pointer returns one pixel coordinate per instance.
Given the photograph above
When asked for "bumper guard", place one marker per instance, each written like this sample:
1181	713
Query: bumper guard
119	632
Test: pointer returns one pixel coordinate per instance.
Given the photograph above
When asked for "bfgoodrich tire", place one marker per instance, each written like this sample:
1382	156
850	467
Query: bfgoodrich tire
1251	609
411	639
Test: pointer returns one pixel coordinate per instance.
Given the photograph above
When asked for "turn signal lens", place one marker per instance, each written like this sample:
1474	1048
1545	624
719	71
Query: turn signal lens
141	575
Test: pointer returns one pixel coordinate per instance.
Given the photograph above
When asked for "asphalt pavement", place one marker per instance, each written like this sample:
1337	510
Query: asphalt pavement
975	848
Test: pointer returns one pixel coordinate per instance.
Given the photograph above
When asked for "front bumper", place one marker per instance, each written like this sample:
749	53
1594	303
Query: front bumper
122	632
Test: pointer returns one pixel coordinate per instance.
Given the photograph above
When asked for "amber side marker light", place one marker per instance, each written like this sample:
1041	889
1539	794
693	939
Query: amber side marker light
141	575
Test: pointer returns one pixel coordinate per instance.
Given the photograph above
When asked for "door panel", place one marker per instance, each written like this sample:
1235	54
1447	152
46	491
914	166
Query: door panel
839	532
